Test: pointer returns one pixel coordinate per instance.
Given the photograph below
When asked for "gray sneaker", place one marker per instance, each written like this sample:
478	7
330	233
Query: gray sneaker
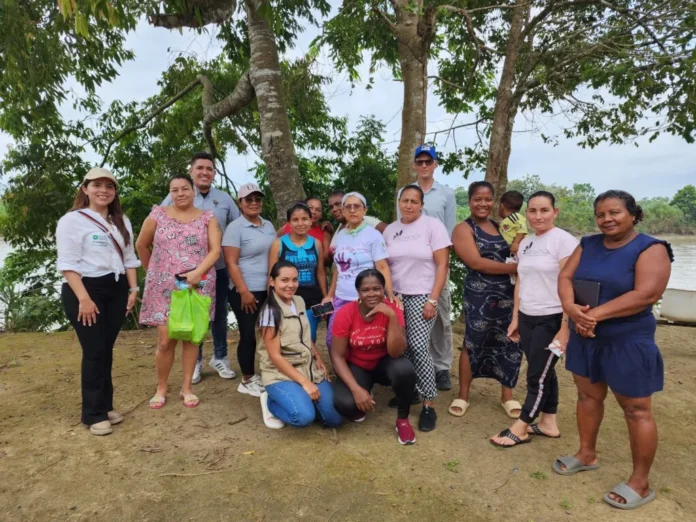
442	380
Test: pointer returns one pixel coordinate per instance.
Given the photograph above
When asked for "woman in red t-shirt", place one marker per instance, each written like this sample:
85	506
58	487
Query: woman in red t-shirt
368	347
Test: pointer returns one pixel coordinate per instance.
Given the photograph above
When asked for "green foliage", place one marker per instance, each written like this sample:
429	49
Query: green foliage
685	200
576	213
29	308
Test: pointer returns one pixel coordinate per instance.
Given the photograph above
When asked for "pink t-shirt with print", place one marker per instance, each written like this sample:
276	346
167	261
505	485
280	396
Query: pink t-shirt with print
410	247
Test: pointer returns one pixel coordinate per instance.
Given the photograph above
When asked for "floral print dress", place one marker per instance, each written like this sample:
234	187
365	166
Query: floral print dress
177	247
488	303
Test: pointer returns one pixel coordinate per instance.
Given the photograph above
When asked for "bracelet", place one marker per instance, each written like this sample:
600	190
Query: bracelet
133	290
432	302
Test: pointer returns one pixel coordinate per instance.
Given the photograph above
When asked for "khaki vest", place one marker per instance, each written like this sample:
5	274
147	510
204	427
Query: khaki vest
295	346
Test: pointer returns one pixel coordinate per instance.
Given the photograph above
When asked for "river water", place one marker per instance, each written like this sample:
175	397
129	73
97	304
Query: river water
683	270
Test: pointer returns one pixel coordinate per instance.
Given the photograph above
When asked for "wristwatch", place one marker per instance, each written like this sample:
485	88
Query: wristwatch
433	302
133	290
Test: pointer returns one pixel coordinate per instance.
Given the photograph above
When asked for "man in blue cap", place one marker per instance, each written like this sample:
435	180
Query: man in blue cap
441	204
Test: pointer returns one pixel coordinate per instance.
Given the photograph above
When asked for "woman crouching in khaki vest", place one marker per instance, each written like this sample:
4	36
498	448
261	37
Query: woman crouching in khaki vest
295	377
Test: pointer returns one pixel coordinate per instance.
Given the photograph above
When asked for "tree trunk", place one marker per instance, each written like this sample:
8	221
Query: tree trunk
506	105
414	33
413	114
278	149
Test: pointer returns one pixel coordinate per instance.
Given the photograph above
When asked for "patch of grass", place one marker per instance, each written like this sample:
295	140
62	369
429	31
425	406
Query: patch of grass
592	500
666	491
538	475
13	363
452	466
565	504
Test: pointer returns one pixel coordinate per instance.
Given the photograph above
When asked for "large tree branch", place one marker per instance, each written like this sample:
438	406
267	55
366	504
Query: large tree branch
150	116
387	21
201	13
241	97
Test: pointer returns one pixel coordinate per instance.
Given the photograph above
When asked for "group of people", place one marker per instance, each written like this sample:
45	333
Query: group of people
387	305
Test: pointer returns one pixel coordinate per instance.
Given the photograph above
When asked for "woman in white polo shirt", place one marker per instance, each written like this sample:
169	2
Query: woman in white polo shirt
95	251
538	320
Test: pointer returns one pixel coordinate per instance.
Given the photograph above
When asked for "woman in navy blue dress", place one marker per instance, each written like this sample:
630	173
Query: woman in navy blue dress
488	301
613	345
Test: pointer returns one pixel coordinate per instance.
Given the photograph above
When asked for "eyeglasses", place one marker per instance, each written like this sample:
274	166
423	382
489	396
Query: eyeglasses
420	163
253	199
352	208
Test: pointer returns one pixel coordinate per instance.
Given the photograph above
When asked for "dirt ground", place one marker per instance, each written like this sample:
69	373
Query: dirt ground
238	470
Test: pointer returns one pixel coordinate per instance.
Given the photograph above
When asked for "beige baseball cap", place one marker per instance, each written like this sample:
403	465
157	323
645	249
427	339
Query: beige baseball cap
247	189
98	173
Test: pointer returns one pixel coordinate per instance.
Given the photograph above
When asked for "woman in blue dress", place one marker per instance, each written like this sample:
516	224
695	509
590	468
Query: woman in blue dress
613	345
488	303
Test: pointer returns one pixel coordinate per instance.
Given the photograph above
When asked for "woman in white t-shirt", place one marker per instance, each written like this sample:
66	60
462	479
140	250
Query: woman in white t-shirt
95	250
538	321
418	248
358	247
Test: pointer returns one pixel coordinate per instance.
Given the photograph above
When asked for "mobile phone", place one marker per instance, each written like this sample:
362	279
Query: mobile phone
322	309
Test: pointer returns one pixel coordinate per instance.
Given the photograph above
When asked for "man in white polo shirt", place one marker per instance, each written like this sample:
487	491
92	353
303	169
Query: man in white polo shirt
202	171
439	203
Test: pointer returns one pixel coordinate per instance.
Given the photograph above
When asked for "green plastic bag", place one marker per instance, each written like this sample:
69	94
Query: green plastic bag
200	310
180	324
189	316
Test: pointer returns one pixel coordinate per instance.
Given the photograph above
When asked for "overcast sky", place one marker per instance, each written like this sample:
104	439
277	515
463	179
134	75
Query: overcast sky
653	169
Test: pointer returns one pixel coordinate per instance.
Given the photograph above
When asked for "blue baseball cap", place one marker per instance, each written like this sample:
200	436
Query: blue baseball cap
426	149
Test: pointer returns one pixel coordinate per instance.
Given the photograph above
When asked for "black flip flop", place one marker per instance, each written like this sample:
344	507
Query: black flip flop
537	431
507	433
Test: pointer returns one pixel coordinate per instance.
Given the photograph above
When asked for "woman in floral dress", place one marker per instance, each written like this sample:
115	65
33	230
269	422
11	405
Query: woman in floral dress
488	302
185	240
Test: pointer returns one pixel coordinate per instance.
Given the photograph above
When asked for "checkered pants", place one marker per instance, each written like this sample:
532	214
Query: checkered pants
418	336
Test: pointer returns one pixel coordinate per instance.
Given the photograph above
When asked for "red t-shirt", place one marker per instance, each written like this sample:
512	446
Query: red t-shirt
316	232
367	341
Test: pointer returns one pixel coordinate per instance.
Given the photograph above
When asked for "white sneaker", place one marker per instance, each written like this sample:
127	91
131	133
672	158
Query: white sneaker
197	373
268	418
222	366
253	386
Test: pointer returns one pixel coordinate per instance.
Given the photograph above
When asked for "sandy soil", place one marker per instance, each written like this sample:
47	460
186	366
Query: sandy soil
53	469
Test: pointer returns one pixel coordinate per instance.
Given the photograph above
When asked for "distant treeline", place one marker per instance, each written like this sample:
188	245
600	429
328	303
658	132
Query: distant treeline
675	215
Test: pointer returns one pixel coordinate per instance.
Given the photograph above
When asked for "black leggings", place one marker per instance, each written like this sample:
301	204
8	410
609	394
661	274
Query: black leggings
397	373
97	341
246	349
536	333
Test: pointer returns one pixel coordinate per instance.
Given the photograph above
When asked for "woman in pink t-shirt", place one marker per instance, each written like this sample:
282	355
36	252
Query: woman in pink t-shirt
418	248
369	341
538	321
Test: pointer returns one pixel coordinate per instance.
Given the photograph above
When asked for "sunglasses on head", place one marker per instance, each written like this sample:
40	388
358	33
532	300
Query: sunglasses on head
428	162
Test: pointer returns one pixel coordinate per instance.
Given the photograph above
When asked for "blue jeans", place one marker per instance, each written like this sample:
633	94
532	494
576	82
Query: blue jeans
288	401
313	324
219	326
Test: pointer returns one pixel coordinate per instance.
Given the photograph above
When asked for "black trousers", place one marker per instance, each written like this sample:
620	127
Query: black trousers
97	341
536	333
246	349
398	373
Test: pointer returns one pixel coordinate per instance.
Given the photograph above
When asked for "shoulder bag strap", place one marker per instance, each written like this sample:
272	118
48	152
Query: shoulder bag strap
106	231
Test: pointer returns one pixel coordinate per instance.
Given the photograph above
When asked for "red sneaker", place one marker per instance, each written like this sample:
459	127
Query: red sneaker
405	432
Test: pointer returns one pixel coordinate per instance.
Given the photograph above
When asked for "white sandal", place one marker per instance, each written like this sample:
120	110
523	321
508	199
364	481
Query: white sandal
458	403
268	418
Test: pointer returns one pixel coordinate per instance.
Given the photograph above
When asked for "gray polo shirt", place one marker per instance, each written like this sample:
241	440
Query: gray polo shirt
254	243
222	205
439	203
